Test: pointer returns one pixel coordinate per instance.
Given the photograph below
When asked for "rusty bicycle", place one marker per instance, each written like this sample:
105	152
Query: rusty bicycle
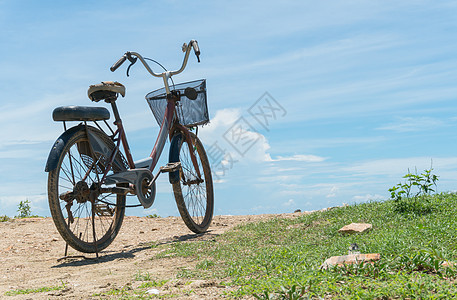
90	177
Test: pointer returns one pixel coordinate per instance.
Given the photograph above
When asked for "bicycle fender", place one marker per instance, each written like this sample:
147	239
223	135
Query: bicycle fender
58	146
174	156
102	144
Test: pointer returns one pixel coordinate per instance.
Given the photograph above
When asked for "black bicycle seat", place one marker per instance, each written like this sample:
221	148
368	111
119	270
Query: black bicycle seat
80	113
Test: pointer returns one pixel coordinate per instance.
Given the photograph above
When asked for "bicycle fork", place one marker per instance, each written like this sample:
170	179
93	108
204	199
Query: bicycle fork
192	148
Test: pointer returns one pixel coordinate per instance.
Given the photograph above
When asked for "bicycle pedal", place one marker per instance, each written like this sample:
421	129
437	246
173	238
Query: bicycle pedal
171	167
103	210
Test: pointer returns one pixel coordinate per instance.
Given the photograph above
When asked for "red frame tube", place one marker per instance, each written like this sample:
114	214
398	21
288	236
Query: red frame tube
169	119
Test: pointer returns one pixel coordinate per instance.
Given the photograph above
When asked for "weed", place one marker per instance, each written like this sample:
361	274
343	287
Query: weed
5	219
154	245
37	290
287	293
117	292
375	270
153	283
142	277
413	196
185	273
205	264
24	209
153	216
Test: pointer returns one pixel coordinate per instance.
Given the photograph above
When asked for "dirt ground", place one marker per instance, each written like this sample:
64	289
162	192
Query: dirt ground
30	249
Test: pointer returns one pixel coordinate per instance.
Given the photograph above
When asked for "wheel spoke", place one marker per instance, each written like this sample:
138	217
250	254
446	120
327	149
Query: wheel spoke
193	191
78	172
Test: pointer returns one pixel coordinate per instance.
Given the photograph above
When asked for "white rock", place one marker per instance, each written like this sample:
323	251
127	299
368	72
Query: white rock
153	291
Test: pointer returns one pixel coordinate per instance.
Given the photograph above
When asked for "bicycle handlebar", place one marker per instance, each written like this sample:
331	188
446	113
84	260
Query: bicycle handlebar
186	48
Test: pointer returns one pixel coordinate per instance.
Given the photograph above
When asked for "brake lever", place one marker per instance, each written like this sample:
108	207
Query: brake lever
132	61
128	69
196	49
194	44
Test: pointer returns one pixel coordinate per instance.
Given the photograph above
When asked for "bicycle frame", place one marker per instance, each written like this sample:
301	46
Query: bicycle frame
168	127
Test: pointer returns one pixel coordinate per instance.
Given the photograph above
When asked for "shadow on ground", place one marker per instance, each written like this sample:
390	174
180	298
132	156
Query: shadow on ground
108	256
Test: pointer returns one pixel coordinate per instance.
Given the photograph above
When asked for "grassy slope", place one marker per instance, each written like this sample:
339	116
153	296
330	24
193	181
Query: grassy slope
262	258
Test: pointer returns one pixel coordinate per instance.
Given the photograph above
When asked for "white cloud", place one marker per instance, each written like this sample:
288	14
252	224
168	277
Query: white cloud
409	124
217	136
149	211
218	125
9	154
398	166
223	118
217	132
367	197
332	192
313	144
298	157
289	202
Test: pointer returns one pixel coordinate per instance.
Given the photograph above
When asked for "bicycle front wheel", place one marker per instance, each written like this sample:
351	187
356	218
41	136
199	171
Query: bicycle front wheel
194	196
86	224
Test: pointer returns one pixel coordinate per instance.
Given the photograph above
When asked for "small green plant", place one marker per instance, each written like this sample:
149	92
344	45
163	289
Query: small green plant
37	290
5	218
293	293
153	283
287	293
153	216
413	194
116	292
378	269
24	209
425	260
205	264
143	277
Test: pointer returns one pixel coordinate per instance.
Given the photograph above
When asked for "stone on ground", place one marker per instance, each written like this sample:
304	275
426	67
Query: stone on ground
350	259
355	227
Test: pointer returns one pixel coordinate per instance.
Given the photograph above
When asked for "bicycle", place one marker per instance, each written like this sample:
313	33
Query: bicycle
89	176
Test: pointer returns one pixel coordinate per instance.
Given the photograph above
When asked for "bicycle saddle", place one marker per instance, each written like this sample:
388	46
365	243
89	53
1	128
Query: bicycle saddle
107	90
80	113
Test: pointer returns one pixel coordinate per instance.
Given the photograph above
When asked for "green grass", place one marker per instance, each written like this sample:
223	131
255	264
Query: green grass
4	218
34	291
281	258
127	292
153	216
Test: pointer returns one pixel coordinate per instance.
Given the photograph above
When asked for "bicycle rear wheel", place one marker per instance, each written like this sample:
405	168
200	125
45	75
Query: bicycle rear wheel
194	196
86	224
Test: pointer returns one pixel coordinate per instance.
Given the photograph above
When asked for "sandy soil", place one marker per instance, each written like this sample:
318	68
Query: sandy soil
30	249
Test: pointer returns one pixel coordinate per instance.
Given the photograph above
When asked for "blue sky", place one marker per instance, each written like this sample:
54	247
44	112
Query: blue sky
367	89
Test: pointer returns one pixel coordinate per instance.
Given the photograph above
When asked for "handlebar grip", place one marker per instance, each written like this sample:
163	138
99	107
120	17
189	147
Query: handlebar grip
118	63
196	49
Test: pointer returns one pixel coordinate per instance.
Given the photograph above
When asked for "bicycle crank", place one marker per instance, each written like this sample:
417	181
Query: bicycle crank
143	181
145	189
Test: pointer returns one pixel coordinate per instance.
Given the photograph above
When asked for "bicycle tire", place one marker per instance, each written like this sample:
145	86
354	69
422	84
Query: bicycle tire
195	201
75	161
